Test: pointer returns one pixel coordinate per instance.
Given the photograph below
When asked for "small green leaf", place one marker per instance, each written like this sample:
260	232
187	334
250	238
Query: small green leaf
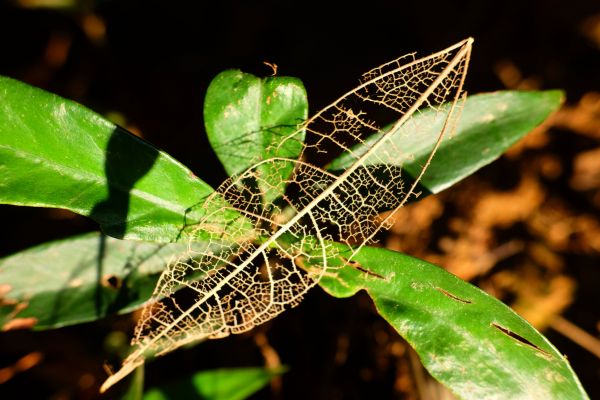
219	384
466	339
247	117
81	279
489	124
56	153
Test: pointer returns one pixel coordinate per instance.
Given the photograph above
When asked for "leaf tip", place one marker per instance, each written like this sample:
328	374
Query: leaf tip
126	369
558	95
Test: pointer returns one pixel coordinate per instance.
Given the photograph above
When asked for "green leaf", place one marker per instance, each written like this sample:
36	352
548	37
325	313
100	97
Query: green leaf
56	153
219	384
247	117
466	339
80	279
489	124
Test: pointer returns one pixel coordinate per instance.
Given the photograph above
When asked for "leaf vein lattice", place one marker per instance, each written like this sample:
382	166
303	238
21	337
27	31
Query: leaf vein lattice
265	254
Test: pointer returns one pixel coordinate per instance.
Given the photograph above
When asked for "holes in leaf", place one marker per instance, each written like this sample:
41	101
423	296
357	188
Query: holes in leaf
111	281
519	338
356	264
452	296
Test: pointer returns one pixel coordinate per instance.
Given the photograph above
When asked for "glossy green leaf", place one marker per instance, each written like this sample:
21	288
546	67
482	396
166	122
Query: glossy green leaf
247	117
466	339
219	384
80	279
489	124
56	153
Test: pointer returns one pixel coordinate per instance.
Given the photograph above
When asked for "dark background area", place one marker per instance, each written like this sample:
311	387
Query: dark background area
151	63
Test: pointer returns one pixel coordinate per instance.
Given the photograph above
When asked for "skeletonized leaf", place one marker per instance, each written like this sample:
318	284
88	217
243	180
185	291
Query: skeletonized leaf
268	271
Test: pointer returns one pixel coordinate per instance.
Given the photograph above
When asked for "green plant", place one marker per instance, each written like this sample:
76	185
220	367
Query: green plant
247	251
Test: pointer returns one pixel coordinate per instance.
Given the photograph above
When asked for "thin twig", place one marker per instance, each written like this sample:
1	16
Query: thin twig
576	334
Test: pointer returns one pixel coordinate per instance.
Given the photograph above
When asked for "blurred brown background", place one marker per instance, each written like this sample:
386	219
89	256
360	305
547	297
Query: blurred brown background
526	229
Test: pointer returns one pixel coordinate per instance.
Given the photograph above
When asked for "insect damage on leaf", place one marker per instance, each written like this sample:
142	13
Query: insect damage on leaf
275	249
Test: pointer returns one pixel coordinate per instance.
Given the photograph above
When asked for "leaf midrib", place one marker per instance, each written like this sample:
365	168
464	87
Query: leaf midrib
307	210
